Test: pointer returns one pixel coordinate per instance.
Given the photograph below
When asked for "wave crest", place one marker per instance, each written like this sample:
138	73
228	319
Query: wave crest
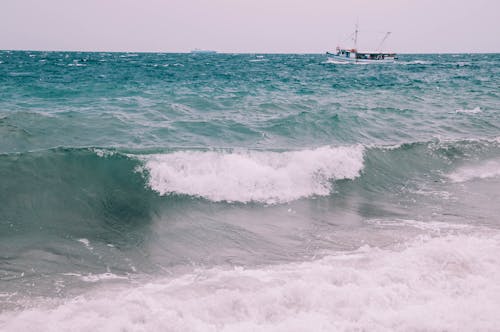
489	169
253	176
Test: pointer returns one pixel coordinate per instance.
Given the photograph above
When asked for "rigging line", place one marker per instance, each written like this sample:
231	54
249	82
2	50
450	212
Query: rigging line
387	34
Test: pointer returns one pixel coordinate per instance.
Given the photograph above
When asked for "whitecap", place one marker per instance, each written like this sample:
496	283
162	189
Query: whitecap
415	62
488	169
259	176
103	153
449	283
86	243
469	111
101	277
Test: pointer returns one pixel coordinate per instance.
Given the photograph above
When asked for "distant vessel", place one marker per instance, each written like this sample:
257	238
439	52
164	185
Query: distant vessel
353	55
200	51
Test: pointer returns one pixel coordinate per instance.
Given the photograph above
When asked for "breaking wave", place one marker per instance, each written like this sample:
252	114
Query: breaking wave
127	182
443	283
485	170
259	176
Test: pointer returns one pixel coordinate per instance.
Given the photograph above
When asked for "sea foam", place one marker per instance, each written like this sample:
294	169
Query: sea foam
488	169
469	111
449	283
258	176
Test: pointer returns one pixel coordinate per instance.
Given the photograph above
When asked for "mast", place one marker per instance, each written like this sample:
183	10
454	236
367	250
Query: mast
356	37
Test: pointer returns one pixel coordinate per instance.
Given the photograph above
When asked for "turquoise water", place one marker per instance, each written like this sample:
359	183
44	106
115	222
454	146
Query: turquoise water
280	101
242	192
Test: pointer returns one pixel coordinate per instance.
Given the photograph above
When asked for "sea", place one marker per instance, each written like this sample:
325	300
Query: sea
249	192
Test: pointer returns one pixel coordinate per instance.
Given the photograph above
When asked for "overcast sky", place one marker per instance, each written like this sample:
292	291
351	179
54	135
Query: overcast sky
298	26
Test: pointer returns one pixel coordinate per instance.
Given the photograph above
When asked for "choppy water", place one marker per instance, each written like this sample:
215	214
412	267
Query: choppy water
147	192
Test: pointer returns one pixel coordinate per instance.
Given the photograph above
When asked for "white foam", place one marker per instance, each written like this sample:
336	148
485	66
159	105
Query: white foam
440	194
472	111
103	153
260	176
86	243
431	226
489	169
91	277
449	283
415	62
101	277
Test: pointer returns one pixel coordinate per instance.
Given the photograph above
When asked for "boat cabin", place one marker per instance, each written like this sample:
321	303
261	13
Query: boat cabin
376	56
354	55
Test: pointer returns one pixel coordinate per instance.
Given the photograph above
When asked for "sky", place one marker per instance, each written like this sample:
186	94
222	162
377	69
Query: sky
250	26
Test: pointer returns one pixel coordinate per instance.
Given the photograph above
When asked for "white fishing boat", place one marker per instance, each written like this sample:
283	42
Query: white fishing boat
355	56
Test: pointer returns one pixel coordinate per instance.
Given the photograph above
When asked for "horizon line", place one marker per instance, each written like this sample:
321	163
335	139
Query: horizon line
224	52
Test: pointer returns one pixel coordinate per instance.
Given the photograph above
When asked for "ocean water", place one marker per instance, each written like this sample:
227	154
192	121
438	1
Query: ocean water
244	192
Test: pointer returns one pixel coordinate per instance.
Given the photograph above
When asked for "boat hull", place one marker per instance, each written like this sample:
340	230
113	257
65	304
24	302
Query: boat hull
335	58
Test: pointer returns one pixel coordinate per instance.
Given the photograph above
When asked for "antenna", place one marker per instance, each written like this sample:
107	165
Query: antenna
387	34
